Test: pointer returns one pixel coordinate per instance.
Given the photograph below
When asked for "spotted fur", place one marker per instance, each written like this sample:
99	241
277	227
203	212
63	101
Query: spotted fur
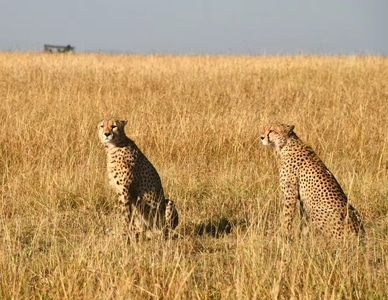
304	177
136	181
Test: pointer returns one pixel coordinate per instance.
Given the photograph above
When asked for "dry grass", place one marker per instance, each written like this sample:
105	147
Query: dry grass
198	120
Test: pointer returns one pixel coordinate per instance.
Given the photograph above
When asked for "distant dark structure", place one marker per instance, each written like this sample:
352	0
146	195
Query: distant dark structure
58	49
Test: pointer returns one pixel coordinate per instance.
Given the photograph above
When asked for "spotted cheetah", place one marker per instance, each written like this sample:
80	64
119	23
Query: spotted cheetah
304	177
136	181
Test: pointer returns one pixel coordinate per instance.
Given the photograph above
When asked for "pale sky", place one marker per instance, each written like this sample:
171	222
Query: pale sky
197	26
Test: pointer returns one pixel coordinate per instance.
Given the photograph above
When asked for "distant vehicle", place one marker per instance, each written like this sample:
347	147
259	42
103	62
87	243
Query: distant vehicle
58	49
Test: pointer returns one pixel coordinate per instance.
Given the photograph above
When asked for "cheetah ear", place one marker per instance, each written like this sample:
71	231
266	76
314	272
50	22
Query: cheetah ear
290	129
123	122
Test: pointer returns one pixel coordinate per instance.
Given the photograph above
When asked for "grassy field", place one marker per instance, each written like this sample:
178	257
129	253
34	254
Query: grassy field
198	119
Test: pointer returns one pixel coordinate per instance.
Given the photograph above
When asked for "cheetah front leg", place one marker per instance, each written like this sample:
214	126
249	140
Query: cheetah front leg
171	214
290	189
171	217
127	211
124	206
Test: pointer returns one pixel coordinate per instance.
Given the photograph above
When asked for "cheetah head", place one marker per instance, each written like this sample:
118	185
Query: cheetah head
111	132
276	135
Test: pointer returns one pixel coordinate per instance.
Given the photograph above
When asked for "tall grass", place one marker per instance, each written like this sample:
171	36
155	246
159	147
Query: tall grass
198	119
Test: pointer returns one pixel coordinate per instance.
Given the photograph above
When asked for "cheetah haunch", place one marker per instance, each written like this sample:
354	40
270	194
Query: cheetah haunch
304	177
136	182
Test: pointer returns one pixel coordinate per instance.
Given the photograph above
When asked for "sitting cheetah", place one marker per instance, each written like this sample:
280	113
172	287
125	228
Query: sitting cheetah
136	182
304	177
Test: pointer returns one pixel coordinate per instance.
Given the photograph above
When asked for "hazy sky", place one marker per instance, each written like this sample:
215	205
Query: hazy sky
197	26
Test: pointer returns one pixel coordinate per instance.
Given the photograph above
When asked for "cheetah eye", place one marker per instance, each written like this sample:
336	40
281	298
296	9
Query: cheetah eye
114	126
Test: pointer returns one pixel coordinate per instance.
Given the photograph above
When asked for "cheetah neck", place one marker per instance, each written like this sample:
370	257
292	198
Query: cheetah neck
291	144
119	143
297	147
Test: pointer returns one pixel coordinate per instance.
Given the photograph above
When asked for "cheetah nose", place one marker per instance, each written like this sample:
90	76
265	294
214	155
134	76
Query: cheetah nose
262	138
107	134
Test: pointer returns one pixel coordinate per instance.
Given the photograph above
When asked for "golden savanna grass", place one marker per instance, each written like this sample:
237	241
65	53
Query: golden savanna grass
198	119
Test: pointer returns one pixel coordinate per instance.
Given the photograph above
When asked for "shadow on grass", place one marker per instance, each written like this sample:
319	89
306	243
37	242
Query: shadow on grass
216	228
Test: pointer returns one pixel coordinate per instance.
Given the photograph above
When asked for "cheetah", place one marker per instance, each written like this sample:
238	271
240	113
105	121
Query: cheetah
137	183
304	177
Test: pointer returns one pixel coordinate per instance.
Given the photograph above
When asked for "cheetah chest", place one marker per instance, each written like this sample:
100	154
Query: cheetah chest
120	164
